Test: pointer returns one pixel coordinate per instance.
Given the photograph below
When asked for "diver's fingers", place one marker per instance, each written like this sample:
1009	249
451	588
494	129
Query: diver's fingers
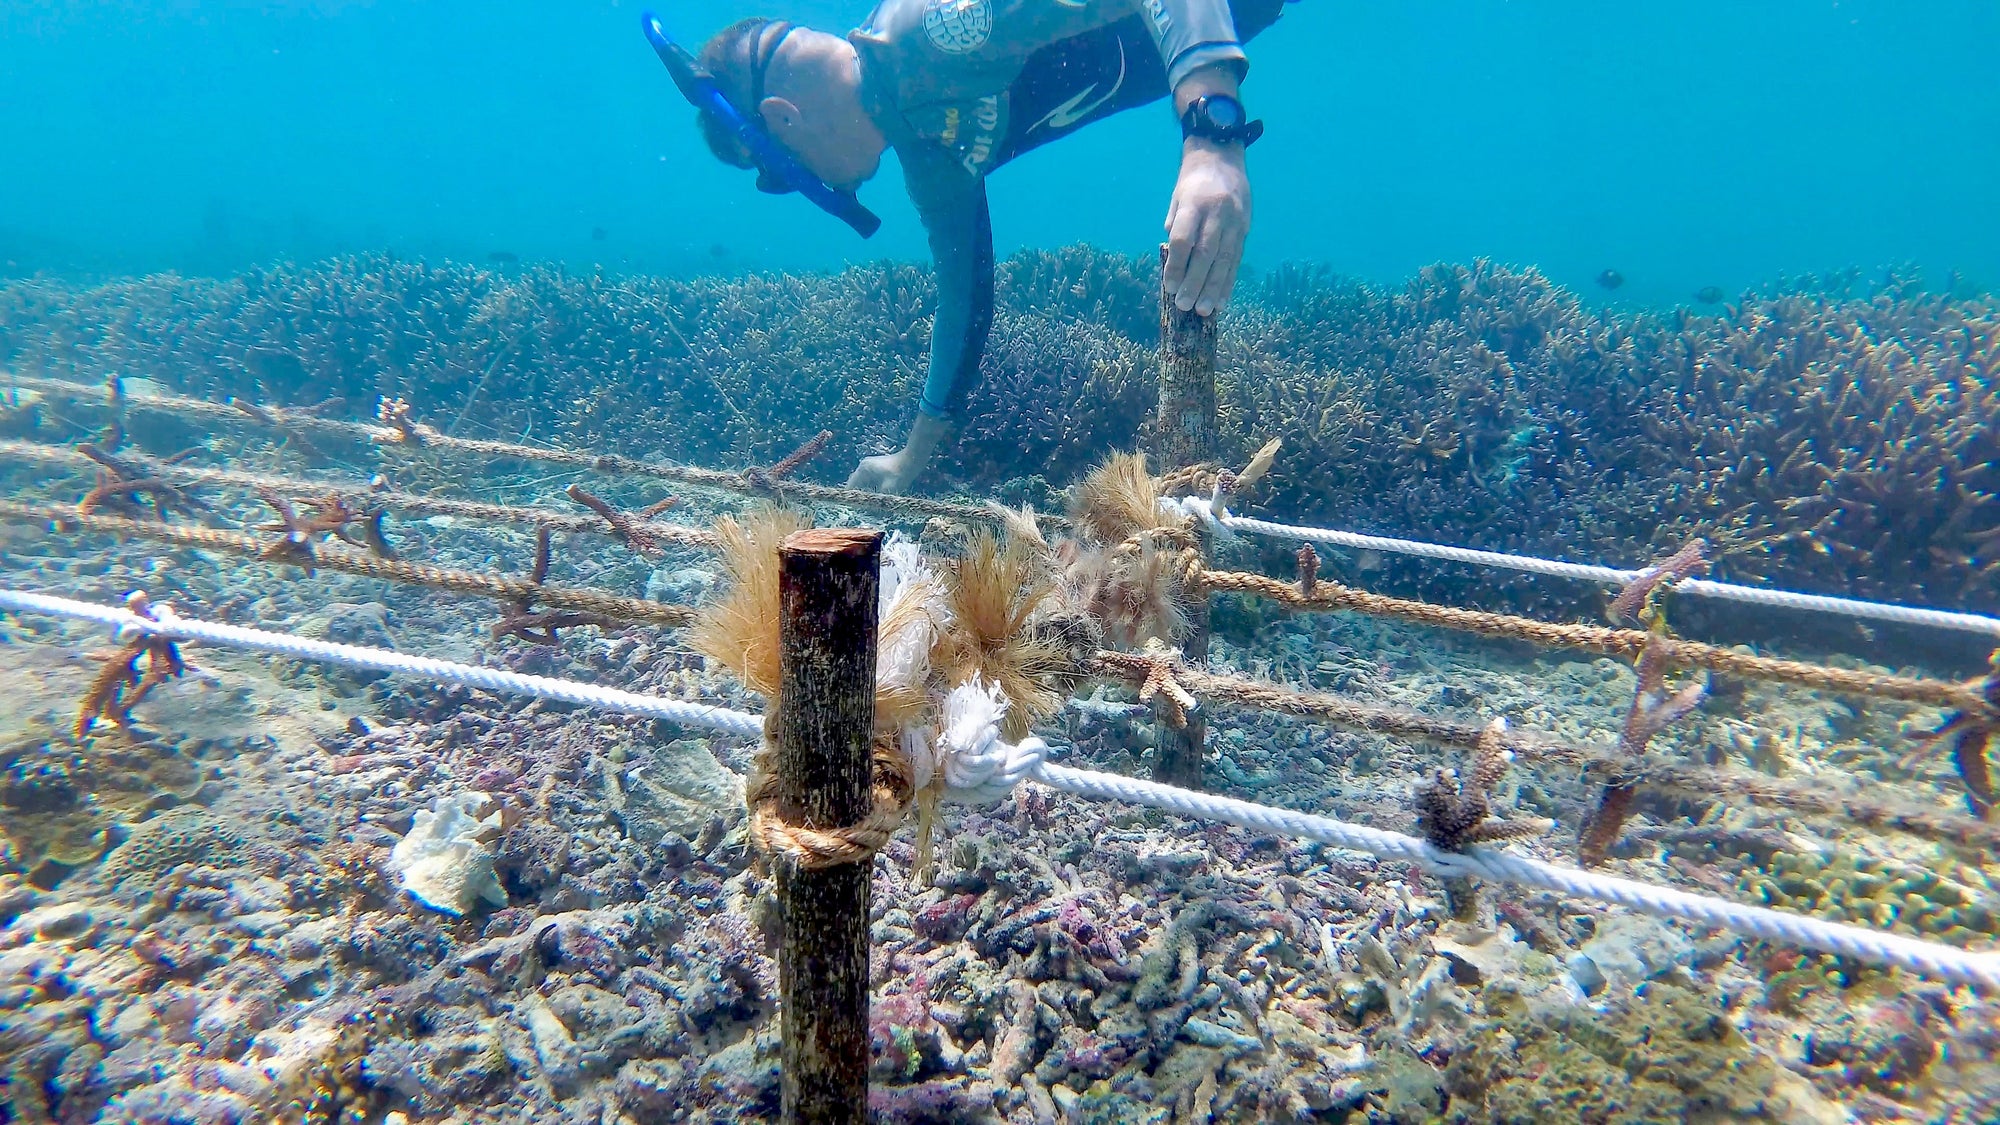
1200	262
1221	283
1182	234
1222	275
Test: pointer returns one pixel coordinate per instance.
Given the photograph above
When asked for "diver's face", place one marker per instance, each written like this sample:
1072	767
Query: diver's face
838	147
848	168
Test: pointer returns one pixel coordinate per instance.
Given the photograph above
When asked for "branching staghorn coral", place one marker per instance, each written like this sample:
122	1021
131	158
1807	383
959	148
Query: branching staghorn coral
1634	603
399	416
330	517
1653	710
1162	683
768	478
1455	813
1971	735
538	626
1825	431
120	484
628	531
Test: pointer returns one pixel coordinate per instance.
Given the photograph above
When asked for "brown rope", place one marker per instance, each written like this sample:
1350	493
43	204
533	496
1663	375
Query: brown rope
406	502
816	848
1623	643
1683	780
423	437
65	518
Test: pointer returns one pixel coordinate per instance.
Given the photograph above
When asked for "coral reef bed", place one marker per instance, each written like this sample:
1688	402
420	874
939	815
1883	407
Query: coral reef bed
1828	434
235	940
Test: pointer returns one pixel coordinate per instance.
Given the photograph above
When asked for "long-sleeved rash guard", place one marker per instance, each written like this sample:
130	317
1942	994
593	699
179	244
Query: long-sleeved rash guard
960	87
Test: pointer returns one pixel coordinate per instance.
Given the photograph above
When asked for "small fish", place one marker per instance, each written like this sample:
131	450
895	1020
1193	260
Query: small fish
599	234
503	257
1709	294
717	250
1610	279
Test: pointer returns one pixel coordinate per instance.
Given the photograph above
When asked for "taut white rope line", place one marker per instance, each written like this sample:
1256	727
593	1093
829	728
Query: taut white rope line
1701	587
380	660
1023	759
1928	958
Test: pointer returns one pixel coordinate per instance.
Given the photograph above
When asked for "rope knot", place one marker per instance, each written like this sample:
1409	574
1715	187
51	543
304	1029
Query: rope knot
1207	512
974	765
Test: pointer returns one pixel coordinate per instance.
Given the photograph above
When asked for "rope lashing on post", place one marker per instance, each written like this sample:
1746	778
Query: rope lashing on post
1201	509
967	759
404	432
504	587
993	767
817	848
408	503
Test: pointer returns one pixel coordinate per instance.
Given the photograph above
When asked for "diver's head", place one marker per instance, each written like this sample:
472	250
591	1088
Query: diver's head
804	88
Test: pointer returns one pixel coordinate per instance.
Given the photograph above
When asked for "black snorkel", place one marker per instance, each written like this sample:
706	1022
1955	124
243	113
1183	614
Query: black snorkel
779	170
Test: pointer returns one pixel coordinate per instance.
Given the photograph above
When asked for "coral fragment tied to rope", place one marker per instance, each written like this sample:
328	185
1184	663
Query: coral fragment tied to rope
1160	684
119	686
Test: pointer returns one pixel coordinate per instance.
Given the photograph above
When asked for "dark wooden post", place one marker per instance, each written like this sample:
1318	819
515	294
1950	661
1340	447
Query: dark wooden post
825	724
1186	436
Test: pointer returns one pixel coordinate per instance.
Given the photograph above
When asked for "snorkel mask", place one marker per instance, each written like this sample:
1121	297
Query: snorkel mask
778	171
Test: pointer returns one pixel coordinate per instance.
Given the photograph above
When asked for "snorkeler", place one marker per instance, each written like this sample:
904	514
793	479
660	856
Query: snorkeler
958	88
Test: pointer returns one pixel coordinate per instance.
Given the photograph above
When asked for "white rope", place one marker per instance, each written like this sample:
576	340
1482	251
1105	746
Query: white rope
977	765
1612	576
167	624
985	766
1927	958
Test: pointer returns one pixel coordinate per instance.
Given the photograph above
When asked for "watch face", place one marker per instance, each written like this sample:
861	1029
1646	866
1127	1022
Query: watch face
1226	112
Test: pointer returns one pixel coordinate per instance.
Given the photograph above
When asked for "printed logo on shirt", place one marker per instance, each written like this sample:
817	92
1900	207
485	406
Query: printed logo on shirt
1077	108
1156	14
958	26
986	118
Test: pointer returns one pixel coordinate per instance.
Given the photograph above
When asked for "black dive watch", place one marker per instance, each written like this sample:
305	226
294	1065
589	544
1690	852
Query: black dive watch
1219	118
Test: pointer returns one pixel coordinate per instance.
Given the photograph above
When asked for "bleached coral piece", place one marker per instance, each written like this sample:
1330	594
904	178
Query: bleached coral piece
446	860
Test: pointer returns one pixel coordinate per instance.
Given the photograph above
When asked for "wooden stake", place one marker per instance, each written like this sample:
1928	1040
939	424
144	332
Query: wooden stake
1186	436
824	726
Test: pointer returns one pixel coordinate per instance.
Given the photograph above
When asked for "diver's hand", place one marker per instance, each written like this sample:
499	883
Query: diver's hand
1206	224
890	472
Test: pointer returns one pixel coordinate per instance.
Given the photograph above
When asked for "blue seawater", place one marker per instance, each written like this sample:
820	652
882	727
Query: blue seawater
1684	145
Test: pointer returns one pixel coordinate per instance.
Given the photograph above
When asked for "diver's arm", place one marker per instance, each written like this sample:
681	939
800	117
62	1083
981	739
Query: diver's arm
1193	35
952	204
1209	215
